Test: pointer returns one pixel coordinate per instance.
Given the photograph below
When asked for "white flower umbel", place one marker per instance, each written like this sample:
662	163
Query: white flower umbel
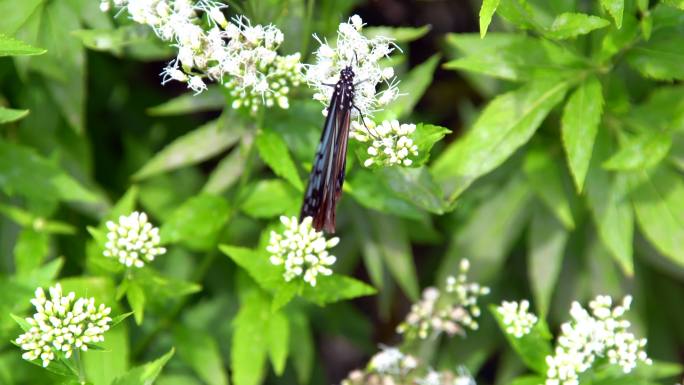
517	318
390	143
302	250
133	240
241	56
363	55
391	361
62	324
600	332
451	311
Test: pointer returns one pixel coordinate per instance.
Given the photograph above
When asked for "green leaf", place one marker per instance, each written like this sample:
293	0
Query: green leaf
23	324
528	380
227	172
12	47
510	56
270	198
8	115
395	248
675	3
250	340
399	34
615	8
579	124
278	341
611	209
658	370
30	250
659	58
425	137
486	12
27	173
491	229
412	87
197	222
546	245
301	342
273	150
212	99
200	350
145	374
369	191
644	151
103	366
532	348
16	13
136	299
334	288
257	265
545	176
658	198
194	147
504	125
570	25
120	318
415	185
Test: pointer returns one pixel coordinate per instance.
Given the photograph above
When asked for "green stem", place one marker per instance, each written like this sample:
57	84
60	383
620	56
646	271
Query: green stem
81	369
306	38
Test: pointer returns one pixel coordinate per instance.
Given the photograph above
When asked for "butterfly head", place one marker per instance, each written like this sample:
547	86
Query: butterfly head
347	74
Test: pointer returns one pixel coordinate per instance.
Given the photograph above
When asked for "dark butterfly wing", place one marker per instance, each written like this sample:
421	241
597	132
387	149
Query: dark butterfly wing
327	174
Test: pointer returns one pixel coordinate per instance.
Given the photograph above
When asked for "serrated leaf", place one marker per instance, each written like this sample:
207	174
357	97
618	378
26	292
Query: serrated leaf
425	136
546	245
579	124
644	151
278	341
144	374
569	25
270	198
504	125
257	265
8	115
610	206
545	176
273	150
511	56
399	34
658	198
533	347
197	222
412	87
212	99
486	12
615	8
659	58
199	349
196	146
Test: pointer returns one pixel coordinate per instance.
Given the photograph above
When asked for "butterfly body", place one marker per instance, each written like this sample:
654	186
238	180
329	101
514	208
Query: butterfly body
327	175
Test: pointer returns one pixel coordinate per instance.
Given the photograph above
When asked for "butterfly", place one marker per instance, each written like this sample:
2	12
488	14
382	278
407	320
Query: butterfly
327	175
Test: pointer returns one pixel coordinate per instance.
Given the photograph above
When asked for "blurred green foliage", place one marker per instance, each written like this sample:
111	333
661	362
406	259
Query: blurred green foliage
568	183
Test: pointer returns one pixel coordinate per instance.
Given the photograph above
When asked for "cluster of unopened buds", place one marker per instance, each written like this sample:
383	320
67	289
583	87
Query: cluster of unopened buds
133	241
390	142
391	366
302	250
364	56
241	56
451	310
61	325
517	318
598	332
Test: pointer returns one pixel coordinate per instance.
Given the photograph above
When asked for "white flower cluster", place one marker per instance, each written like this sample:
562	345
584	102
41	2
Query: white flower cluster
599	333
62	324
241	56
363	55
392	361
133	240
517	318
390	142
450	311
302	250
